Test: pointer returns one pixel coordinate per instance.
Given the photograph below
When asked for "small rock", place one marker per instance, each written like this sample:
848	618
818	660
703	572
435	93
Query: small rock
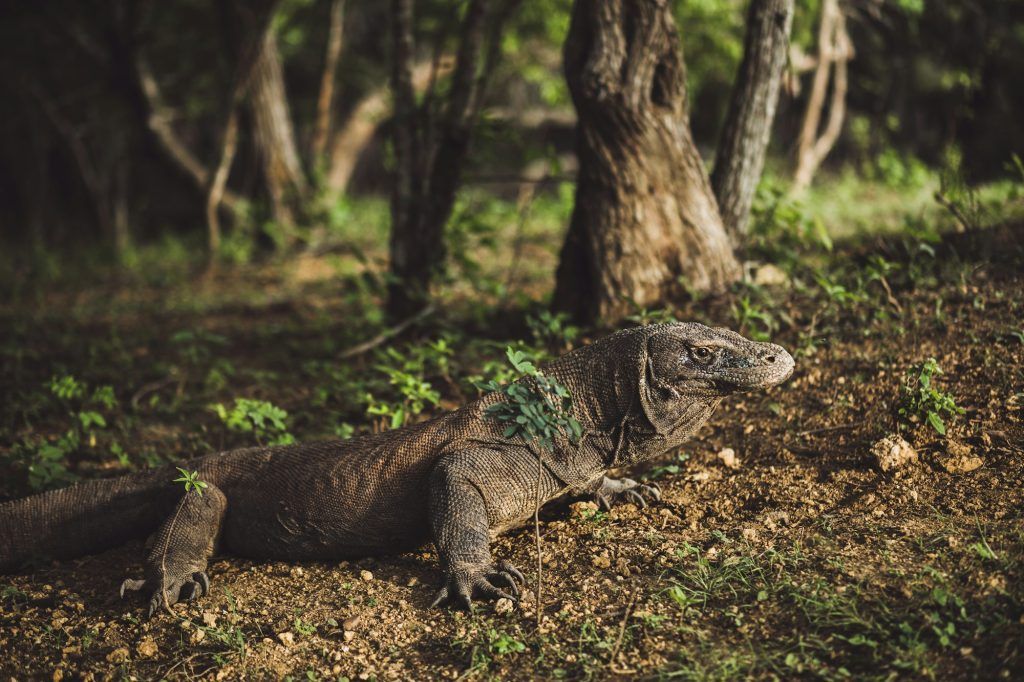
893	452
583	510
286	638
728	457
58	675
197	636
351	623
769	275
210	619
961	465
366	575
503	606
147	648
412	582
750	534
336	670
348	635
119	655
602	561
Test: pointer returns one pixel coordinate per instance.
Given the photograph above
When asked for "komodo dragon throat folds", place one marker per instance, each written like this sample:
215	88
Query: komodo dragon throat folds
453	479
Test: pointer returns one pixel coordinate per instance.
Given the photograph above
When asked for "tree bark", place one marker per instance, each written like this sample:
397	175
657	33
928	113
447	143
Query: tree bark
645	216
835	49
274	133
739	160
428	173
325	100
359	128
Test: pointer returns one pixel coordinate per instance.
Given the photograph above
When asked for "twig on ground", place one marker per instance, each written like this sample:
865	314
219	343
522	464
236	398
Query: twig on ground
622	627
387	334
841	427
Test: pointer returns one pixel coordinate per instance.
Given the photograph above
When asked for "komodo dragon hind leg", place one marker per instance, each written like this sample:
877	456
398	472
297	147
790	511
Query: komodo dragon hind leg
176	563
611	491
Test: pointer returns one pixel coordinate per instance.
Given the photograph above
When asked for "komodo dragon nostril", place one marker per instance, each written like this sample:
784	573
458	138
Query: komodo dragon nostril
770	359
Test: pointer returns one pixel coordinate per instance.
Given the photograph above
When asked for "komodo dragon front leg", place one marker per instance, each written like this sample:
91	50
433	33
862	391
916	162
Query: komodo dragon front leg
176	563
473	493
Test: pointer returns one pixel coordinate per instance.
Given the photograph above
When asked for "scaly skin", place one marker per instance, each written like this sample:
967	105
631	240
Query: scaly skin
455	480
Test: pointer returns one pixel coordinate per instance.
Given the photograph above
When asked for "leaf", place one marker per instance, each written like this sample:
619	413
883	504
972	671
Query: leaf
936	421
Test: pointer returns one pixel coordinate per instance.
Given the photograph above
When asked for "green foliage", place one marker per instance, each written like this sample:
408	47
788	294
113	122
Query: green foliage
553	330
921	400
45	460
958	196
258	417
782	231
191	481
535	408
409	391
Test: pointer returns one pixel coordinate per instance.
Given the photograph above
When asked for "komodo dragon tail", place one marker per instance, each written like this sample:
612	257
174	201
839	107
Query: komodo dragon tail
84	518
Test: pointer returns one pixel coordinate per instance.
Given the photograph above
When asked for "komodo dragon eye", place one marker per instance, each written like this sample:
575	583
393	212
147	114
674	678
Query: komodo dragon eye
702	354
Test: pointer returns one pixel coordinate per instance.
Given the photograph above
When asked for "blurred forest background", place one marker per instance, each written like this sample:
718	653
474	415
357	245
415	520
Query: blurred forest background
117	112
226	223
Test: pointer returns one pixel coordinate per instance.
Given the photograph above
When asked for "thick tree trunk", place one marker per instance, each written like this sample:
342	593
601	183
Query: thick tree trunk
275	137
645	216
748	124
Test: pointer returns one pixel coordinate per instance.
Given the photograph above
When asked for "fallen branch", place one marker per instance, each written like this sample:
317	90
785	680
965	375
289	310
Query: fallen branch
389	333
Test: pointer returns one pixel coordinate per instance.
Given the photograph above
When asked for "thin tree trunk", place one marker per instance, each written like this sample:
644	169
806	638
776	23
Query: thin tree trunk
348	144
159	122
324	102
275	136
255	20
417	236
835	49
739	160
645	216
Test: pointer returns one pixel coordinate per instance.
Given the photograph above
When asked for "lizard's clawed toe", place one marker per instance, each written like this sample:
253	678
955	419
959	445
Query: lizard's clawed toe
613	491
170	591
494	581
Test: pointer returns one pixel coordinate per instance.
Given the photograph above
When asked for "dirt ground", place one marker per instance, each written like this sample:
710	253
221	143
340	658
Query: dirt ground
781	550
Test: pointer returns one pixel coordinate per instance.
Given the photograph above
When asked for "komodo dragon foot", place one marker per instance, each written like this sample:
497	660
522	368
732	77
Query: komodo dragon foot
611	491
469	581
172	591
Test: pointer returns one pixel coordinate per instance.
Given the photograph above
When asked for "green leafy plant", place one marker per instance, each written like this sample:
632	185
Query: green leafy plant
191	481
264	420
921	400
45	461
553	330
535	408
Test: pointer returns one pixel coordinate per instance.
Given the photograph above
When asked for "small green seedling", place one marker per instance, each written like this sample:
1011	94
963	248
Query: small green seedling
922	400
537	410
191	481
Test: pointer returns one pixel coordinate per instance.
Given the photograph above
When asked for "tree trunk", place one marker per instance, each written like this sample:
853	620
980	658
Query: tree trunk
645	216
325	100
835	49
428	172
748	124
275	137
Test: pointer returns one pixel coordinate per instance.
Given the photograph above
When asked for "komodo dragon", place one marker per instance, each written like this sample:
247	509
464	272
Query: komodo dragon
637	393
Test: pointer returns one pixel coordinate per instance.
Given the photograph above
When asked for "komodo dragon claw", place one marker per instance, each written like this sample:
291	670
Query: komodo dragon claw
172	591
468	581
612	491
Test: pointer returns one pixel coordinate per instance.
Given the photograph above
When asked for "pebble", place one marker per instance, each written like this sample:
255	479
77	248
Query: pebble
893	452
503	606
147	648
366	575
728	457
119	655
286	638
348	635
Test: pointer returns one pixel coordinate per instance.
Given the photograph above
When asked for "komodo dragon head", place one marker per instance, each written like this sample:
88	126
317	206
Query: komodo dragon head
688	368
692	360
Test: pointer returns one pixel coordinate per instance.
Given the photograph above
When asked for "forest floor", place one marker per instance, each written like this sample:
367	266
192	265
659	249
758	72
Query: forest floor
780	549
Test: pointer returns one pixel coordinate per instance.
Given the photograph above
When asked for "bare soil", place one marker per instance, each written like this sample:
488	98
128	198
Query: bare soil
793	557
